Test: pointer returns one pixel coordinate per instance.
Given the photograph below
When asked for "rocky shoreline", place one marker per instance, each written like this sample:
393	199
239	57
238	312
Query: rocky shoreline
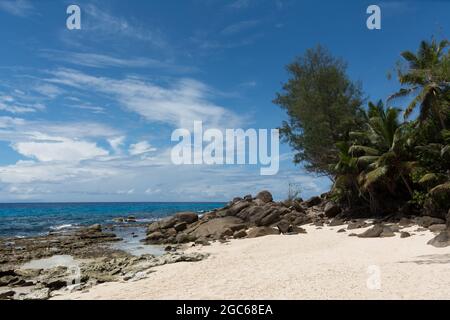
94	260
251	217
84	258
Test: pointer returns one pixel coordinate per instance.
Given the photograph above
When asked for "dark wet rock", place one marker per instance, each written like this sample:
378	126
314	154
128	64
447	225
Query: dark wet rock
227	233
154	226
373	232
269	219
182	238
442	240
84	243
405	234
258	202
405	222
428	221
296	230
357	225
6	295
283	226
238	227
56	284
154	236
238	207
265	196
188	217
167	223
7	272
291	215
214	228
252	213
248	197
331	209
180	226
261	232
437	228
8	280
353	235
301	220
235	199
318	223
202	241
95	228
240	234
341	230
313	201
336	222
171	232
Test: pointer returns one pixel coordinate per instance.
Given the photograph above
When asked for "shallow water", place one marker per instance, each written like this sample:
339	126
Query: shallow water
131	242
52	262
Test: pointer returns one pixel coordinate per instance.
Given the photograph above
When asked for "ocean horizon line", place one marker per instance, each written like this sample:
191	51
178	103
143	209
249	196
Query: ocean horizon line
110	202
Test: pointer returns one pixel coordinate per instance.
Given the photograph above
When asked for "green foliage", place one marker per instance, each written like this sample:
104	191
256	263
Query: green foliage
323	106
377	160
426	78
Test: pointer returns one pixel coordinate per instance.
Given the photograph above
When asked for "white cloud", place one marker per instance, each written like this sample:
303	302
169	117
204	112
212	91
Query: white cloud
31	172
103	22
48	90
116	143
130	191
9	104
97	60
93	109
140	148
178	104
59	149
8	122
20	8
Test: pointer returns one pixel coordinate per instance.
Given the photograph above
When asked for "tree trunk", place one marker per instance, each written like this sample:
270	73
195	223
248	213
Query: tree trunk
411	192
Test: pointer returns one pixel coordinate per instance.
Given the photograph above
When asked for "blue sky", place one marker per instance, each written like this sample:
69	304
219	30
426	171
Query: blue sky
86	115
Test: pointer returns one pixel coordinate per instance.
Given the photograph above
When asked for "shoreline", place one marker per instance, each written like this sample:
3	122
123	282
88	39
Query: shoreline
321	264
264	249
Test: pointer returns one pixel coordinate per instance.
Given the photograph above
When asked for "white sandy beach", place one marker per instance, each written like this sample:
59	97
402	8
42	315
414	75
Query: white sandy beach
321	264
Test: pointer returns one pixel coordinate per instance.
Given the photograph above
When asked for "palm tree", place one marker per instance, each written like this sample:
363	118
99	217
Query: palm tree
346	172
381	156
426	78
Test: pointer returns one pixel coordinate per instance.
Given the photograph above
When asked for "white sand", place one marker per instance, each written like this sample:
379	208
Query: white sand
322	264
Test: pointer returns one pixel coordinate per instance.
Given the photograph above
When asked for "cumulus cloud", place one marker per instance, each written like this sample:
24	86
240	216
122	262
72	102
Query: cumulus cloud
116	143
59	149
